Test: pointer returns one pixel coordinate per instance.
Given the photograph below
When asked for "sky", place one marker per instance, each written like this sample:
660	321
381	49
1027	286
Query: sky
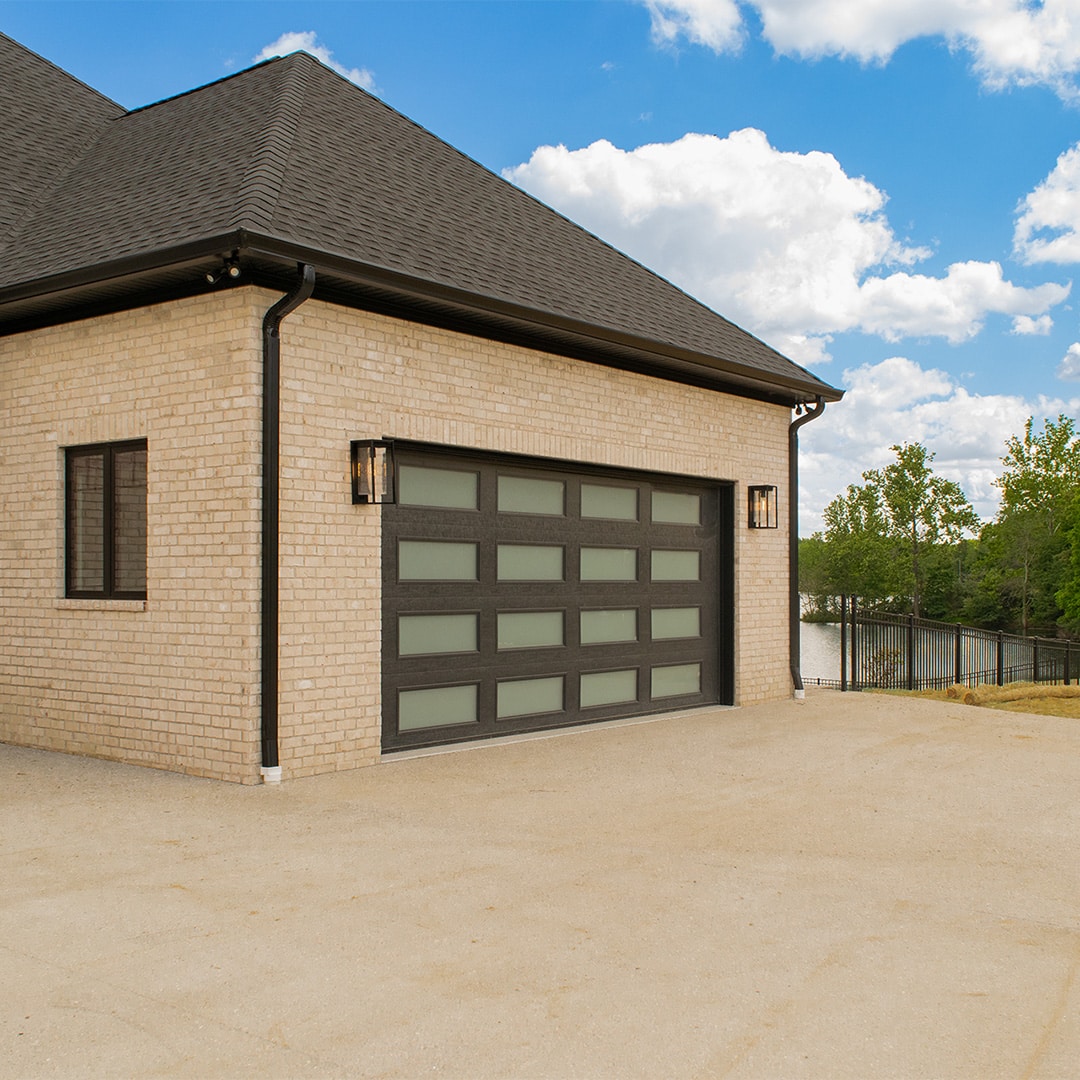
887	191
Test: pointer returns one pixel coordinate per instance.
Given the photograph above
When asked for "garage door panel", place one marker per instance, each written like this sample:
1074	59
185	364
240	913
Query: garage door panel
563	596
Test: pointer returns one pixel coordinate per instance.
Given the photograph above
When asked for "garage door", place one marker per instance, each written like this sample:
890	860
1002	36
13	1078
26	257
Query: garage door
521	595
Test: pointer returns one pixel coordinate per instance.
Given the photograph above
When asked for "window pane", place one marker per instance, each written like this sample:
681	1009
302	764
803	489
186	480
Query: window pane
129	521
441	707
421	486
530	562
608	564
434	560
598	627
86	522
676	565
531	495
613	503
678	622
424	634
530	629
608	688
676	680
676	507
527	696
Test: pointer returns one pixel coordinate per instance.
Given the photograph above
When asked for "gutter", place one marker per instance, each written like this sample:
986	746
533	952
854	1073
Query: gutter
271	461
795	624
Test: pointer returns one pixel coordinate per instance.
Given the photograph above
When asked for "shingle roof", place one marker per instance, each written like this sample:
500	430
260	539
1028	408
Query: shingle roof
47	118
289	150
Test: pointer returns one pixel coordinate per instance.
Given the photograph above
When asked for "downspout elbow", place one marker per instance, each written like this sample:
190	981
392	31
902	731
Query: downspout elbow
795	613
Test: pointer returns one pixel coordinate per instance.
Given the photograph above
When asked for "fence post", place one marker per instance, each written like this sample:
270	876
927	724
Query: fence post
1001	658
958	665
911	652
1034	660
854	643
1066	661
843	643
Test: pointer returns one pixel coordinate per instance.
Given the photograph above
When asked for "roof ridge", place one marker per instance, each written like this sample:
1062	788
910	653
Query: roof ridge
91	135
60	71
44	193
260	188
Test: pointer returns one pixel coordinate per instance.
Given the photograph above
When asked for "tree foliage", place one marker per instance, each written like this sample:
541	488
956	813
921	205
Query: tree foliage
904	538
881	533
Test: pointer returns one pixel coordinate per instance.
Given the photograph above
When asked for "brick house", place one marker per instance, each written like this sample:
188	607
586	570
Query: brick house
321	442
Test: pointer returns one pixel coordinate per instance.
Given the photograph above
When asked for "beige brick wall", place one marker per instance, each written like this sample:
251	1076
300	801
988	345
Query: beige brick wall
352	375
174	682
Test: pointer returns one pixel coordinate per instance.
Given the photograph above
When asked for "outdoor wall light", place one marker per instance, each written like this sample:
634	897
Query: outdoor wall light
764	507
373	471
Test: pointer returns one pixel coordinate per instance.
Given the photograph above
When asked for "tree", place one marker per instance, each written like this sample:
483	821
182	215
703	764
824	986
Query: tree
884	529
1042	473
1038	487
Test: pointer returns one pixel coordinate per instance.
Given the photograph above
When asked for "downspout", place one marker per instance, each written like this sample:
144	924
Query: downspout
271	461
795	637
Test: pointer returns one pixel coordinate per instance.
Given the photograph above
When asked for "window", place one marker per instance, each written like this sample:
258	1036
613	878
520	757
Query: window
105	521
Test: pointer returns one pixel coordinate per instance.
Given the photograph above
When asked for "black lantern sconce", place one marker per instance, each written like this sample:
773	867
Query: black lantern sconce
373	478
764	507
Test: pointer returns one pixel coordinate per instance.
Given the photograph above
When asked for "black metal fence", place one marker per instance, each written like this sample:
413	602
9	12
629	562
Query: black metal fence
879	650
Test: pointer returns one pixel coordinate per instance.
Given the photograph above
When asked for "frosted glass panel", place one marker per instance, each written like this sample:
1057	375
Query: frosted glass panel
528	696
420	486
608	688
676	565
608	564
614	503
422	634
530	562
598	627
530	629
676	507
531	495
676	622
436	560
442	707
673	681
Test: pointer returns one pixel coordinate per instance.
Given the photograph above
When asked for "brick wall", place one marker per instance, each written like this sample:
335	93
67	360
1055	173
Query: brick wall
173	682
352	375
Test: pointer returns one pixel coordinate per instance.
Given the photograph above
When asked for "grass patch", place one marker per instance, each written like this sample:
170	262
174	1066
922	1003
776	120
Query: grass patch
1015	697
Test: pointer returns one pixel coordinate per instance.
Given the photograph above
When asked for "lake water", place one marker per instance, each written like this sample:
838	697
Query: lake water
820	649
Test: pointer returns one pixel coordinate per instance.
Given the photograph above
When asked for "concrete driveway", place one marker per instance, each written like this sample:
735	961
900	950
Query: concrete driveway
857	886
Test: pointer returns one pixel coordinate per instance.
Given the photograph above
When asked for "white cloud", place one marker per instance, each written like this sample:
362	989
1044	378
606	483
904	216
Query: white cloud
786	244
1025	324
1011	42
1049	217
1069	368
716	24
898	401
307	41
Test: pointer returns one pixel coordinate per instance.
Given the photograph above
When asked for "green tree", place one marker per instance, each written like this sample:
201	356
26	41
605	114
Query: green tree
1068	595
1039	485
883	534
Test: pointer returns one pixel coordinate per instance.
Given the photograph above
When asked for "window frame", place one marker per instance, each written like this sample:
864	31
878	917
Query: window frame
108	453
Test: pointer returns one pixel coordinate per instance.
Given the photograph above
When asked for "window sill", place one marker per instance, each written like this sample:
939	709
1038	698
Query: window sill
65	603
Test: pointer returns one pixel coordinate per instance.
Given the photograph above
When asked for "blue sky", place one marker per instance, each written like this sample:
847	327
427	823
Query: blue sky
887	192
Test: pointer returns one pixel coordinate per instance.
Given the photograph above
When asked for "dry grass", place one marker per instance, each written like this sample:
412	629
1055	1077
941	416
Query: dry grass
1015	697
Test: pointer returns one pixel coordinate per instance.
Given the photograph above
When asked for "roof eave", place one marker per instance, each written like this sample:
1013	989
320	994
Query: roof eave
674	361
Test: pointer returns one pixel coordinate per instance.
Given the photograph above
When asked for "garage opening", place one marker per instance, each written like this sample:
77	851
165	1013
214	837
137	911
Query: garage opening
524	594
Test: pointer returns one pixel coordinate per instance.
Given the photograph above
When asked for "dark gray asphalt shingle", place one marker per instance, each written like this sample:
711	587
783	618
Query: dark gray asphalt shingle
291	150
47	119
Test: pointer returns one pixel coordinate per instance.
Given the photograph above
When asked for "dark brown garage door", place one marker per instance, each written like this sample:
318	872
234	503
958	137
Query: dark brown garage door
521	595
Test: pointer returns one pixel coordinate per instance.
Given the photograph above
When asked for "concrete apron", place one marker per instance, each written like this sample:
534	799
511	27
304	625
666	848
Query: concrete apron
857	886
